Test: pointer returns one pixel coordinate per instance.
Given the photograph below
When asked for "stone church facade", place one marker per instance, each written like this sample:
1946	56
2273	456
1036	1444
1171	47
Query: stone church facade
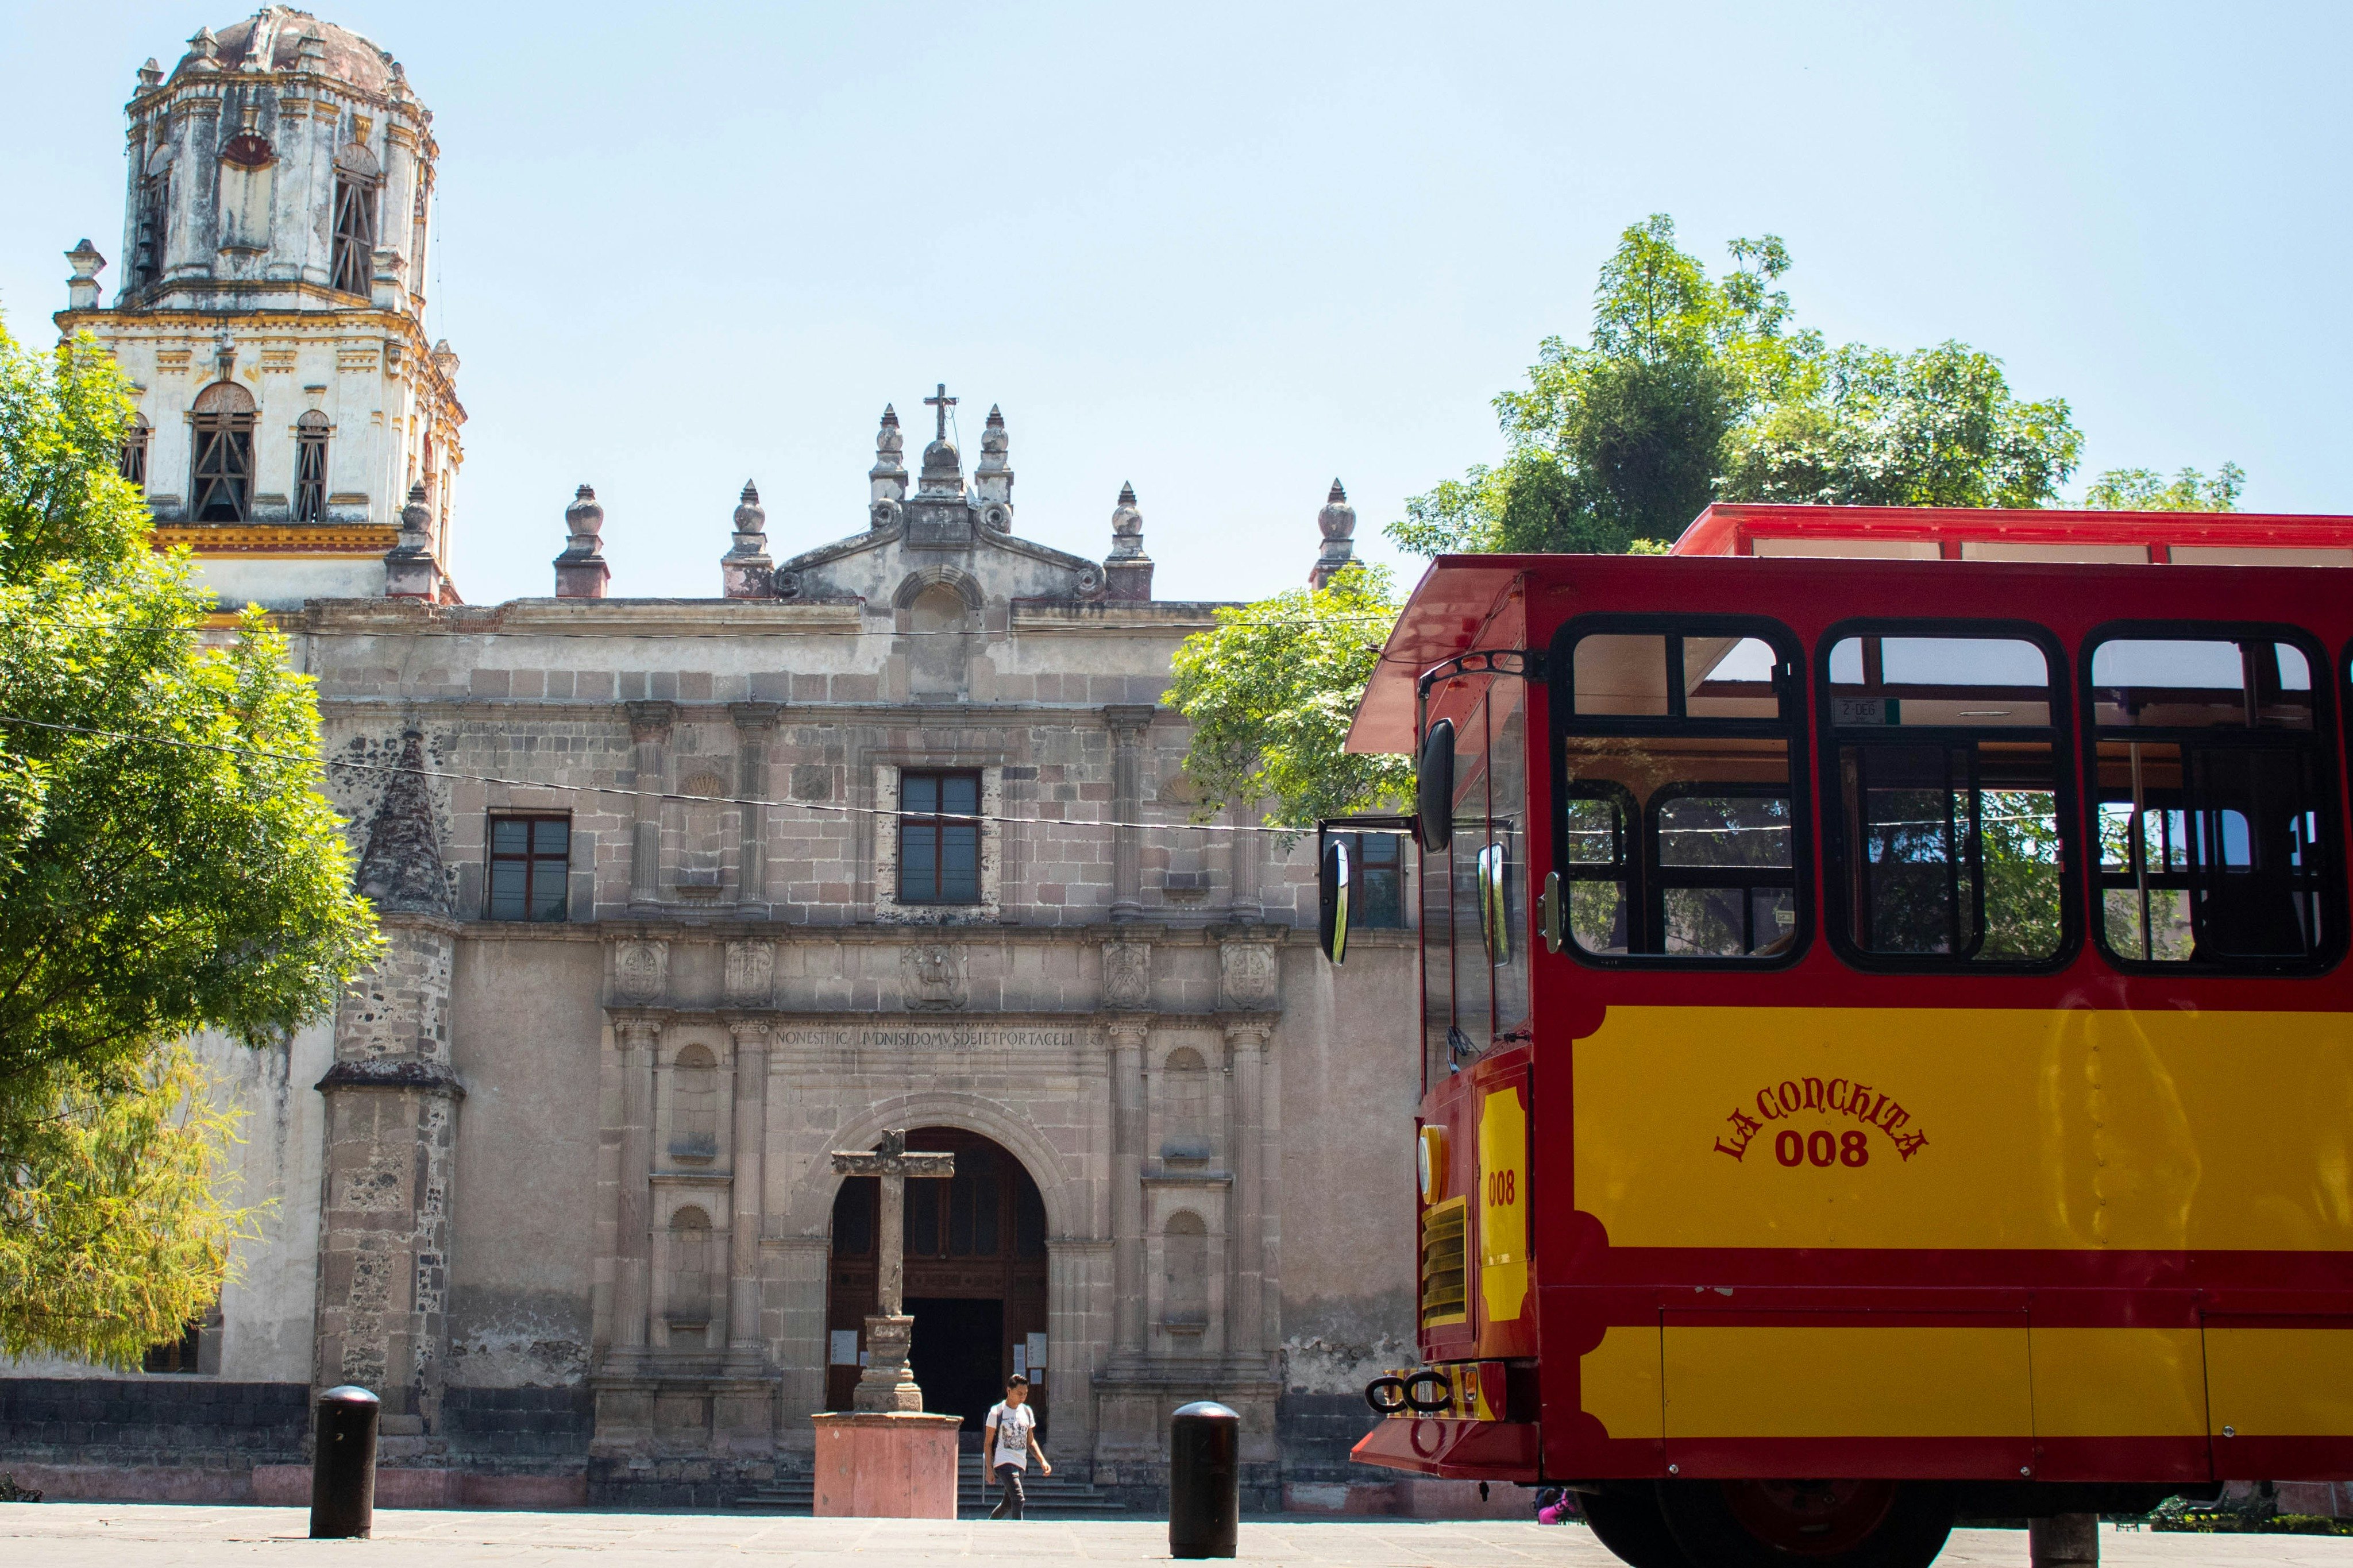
682	895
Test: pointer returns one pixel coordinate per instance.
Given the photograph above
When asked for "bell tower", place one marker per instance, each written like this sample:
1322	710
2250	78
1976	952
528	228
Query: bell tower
271	311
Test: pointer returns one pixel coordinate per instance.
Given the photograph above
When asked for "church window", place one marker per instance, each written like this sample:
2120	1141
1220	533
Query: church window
694	1107
132	459
353	257
939	838
529	858
223	479
311	468
692	1253
154	217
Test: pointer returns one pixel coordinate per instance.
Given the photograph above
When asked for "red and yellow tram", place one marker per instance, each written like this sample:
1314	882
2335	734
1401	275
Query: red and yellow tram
1888	1050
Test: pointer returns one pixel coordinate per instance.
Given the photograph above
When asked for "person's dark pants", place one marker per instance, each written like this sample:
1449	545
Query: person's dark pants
1009	1478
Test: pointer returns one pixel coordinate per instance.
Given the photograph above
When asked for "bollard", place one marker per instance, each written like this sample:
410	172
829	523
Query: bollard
1205	1481
342	1472
2063	1541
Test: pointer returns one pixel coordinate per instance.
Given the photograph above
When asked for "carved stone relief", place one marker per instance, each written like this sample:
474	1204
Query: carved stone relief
1247	975
751	965
932	976
1127	974
641	969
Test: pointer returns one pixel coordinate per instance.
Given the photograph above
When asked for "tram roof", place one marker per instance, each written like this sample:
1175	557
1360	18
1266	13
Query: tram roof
1456	597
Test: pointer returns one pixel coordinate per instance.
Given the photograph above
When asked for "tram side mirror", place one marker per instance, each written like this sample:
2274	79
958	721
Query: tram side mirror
1433	787
1335	874
1494	909
1549	915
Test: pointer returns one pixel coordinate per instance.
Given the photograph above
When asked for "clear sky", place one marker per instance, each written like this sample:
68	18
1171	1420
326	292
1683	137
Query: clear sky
1227	252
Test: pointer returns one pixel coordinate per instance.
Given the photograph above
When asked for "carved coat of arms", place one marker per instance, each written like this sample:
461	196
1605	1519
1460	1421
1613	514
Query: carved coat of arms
751	965
1247	974
932	977
641	969
1127	974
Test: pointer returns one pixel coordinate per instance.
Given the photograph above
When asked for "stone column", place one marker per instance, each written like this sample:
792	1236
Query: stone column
649	725
1127	1036
754	722
743	1352
1246	1317
1128	724
1246	853
633	1278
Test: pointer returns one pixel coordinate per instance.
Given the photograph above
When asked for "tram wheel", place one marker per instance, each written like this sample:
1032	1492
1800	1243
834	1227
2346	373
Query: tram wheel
1626	1519
1808	1524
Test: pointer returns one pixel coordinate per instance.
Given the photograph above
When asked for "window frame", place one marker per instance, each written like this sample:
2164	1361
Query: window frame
310	467
1358	918
1790	728
491	859
2073	873
939	820
354	233
2324	741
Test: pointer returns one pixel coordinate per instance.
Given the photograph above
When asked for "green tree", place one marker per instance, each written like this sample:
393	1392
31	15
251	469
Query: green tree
1270	693
1696	389
2145	490
167	866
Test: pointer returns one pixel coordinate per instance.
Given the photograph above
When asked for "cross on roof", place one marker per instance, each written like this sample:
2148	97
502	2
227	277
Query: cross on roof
942	403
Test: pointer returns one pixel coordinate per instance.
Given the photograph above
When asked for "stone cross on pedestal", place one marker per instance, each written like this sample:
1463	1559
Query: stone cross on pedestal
886	1384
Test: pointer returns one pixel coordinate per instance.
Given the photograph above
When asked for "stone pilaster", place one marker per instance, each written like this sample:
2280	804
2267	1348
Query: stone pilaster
1246	852
745	1354
1127	1036
754	722
633	1272
1246	1294
649	724
1128	724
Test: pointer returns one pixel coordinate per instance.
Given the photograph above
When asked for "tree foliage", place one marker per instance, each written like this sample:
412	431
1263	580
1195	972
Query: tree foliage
1696	389
1270	693
2145	490
167	864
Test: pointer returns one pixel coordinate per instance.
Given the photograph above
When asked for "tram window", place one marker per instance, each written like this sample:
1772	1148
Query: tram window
1654	676
2162	683
1712	873
1948	845
2217	847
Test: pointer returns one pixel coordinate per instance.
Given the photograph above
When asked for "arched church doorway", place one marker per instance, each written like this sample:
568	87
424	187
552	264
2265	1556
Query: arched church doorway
976	1262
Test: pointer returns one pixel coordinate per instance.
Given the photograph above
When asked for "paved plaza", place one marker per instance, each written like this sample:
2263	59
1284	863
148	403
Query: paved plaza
119	1535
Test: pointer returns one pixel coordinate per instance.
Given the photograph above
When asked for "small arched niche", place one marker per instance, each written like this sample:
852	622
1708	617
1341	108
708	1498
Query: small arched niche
940	622
1186	1106
1185	1277
690	1292
694	1107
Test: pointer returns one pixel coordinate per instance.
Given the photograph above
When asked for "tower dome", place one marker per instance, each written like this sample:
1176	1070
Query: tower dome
272	40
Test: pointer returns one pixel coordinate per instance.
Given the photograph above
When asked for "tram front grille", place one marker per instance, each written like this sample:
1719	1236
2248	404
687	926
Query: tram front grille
1443	1292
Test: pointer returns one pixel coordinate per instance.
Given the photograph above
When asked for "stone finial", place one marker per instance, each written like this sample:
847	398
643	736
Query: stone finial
206	48
1127	571
992	478
581	572
1338	522
150	75
445	360
745	572
82	289
410	571
402	869
888	476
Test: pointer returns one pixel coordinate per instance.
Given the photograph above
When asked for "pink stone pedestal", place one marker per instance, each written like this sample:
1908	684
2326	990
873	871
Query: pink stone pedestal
898	1465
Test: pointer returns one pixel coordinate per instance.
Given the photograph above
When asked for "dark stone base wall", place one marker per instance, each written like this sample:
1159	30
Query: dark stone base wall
520	1428
198	1423
677	1482
1316	1431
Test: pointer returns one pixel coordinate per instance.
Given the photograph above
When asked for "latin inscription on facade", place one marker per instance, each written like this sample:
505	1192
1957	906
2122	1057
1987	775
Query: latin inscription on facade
927	1038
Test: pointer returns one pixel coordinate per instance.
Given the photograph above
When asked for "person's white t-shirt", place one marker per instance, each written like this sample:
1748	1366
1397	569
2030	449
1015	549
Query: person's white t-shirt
1014	1424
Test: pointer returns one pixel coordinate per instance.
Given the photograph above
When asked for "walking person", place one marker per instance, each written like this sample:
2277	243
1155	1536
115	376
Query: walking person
1010	1440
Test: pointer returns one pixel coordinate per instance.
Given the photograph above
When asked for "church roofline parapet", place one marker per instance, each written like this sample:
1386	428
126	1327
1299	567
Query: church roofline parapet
393	1073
